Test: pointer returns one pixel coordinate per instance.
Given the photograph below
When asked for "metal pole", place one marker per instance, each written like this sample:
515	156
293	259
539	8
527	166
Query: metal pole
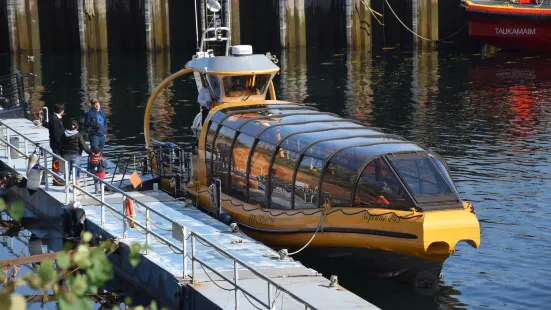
184	252
202	16
46	186
102	191
192	258
66	165
73	171
8	148
235	281
196	26
269	295
26	149
124	234
147	228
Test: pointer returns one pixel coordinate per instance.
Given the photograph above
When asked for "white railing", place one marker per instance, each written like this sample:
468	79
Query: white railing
182	250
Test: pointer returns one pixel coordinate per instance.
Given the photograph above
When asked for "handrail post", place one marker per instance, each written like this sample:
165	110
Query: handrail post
124	234
102	191
269	295
184	250
73	171
192	257
235	282
8	147
26	149
66	176
147	228
46	173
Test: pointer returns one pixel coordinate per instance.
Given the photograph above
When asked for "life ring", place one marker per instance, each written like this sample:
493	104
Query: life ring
129	210
56	166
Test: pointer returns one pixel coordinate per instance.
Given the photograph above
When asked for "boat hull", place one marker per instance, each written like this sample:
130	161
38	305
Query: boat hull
512	34
510	26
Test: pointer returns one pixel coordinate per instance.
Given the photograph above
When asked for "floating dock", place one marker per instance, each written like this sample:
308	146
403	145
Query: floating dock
212	268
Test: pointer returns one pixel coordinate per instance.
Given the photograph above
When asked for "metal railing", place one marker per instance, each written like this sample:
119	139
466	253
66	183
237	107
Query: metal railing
182	250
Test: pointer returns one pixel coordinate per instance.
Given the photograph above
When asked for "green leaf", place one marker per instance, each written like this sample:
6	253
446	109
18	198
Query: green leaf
17	209
86	237
138	308
127	300
134	259
153	305
17	302
2	204
135	247
46	272
63	260
81	256
2	276
79	285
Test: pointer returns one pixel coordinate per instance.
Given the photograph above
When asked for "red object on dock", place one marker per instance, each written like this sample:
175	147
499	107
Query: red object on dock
512	26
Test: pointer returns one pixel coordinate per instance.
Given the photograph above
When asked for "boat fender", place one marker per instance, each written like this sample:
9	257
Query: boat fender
129	210
34	176
33	160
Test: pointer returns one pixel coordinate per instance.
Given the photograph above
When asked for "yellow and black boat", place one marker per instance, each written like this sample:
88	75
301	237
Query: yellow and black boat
296	178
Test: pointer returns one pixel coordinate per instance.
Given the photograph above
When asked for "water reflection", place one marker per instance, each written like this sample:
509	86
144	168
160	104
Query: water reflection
490	118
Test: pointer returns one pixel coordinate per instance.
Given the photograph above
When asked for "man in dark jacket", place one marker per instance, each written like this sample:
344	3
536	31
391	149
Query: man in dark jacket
96	122
56	128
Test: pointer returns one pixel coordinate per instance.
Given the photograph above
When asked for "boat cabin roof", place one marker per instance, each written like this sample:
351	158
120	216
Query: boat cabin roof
233	65
300	134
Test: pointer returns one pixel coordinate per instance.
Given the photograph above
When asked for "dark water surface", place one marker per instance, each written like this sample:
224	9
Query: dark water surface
489	117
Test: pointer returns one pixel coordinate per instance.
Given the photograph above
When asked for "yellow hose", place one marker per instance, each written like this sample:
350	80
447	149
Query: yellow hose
151	101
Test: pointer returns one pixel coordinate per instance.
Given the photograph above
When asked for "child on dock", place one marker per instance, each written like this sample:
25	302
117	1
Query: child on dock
97	166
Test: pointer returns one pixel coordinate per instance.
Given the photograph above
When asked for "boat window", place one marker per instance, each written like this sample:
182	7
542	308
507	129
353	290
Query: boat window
444	171
258	175
337	186
214	88
306	183
355	157
378	187
208	145
221	155
236	120
282	179
421	176
298	142
245	85
275	134
240	155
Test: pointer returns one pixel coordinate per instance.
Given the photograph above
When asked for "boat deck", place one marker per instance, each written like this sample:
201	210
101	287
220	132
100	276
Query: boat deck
546	4
161	270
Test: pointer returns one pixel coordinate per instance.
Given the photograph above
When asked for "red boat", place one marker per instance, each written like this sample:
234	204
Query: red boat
515	24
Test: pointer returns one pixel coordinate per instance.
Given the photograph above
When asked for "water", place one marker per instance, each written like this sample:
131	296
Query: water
489	117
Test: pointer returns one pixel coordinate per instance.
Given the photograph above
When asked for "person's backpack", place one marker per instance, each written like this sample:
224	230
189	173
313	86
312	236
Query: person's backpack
96	164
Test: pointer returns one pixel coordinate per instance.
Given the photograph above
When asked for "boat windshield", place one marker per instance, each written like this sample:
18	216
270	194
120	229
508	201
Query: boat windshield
245	85
424	180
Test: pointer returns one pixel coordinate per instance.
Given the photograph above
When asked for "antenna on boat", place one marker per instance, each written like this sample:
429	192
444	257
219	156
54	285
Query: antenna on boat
215	31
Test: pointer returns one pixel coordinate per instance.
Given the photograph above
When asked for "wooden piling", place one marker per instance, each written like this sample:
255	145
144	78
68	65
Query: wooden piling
235	23
425	22
95	25
292	21
158	25
23	27
358	23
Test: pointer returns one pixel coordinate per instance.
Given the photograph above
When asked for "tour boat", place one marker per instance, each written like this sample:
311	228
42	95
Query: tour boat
520	24
296	178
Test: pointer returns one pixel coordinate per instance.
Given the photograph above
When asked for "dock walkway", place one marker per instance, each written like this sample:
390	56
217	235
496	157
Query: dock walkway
212	251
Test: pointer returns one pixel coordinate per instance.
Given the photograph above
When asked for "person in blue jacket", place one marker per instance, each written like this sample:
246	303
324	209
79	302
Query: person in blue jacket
96	122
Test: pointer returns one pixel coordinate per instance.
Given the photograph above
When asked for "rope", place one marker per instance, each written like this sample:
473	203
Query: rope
211	280
150	220
118	218
320	223
419	36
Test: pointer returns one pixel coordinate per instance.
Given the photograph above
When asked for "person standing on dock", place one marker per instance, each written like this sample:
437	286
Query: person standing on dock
96	123
56	128
72	146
